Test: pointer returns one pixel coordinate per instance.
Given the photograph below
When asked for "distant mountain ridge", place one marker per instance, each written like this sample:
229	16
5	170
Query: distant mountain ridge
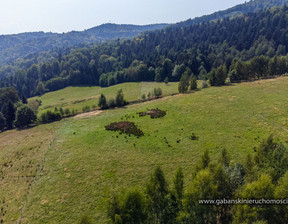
238	10
16	46
20	51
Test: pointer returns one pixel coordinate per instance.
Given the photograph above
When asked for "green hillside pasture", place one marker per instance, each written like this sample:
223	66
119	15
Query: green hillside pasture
21	153
86	163
78	97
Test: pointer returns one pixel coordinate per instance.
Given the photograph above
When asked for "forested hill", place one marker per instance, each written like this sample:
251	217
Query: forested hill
37	47
238	10
247	47
21	45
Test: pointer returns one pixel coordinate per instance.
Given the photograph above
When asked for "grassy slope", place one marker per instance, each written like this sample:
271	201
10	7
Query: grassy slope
20	154
77	97
82	170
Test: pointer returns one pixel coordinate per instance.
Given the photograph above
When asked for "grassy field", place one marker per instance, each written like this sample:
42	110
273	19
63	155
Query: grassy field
84	164
78	97
21	155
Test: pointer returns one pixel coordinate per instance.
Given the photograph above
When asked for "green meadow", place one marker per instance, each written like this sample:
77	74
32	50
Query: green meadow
75	98
82	164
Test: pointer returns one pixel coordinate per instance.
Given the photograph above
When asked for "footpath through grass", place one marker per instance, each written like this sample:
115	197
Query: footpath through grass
86	163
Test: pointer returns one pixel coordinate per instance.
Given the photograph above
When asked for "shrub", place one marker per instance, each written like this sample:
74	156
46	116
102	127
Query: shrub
204	85
157	92
111	103
67	112
61	111
86	108
50	116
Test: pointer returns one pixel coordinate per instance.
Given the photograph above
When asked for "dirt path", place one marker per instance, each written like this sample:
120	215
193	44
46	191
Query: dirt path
89	114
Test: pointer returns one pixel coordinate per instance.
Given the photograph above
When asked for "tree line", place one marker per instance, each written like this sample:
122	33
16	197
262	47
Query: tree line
261	176
211	50
18	112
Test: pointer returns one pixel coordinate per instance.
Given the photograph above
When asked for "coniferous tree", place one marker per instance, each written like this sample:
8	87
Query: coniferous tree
166	80
157	191
102	102
24	99
221	75
2	122
184	82
179	187
120	101
193	82
134	208
8	111
212	77
157	75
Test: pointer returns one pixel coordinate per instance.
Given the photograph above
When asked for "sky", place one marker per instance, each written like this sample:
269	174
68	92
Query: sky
17	16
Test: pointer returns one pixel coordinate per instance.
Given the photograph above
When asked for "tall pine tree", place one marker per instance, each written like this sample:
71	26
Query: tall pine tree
8	111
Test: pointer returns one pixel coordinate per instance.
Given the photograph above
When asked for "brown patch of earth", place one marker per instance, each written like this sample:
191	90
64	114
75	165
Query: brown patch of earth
89	114
154	113
125	127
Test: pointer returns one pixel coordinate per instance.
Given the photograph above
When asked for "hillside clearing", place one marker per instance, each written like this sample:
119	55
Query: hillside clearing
75	98
86	164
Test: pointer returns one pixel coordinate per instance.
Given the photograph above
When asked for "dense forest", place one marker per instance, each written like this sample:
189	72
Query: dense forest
24	49
40	46
238	10
244	48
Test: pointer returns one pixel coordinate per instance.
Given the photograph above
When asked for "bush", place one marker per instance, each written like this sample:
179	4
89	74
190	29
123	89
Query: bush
25	115
204	85
50	116
67	112
111	103
143	96
61	111
86	108
157	92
